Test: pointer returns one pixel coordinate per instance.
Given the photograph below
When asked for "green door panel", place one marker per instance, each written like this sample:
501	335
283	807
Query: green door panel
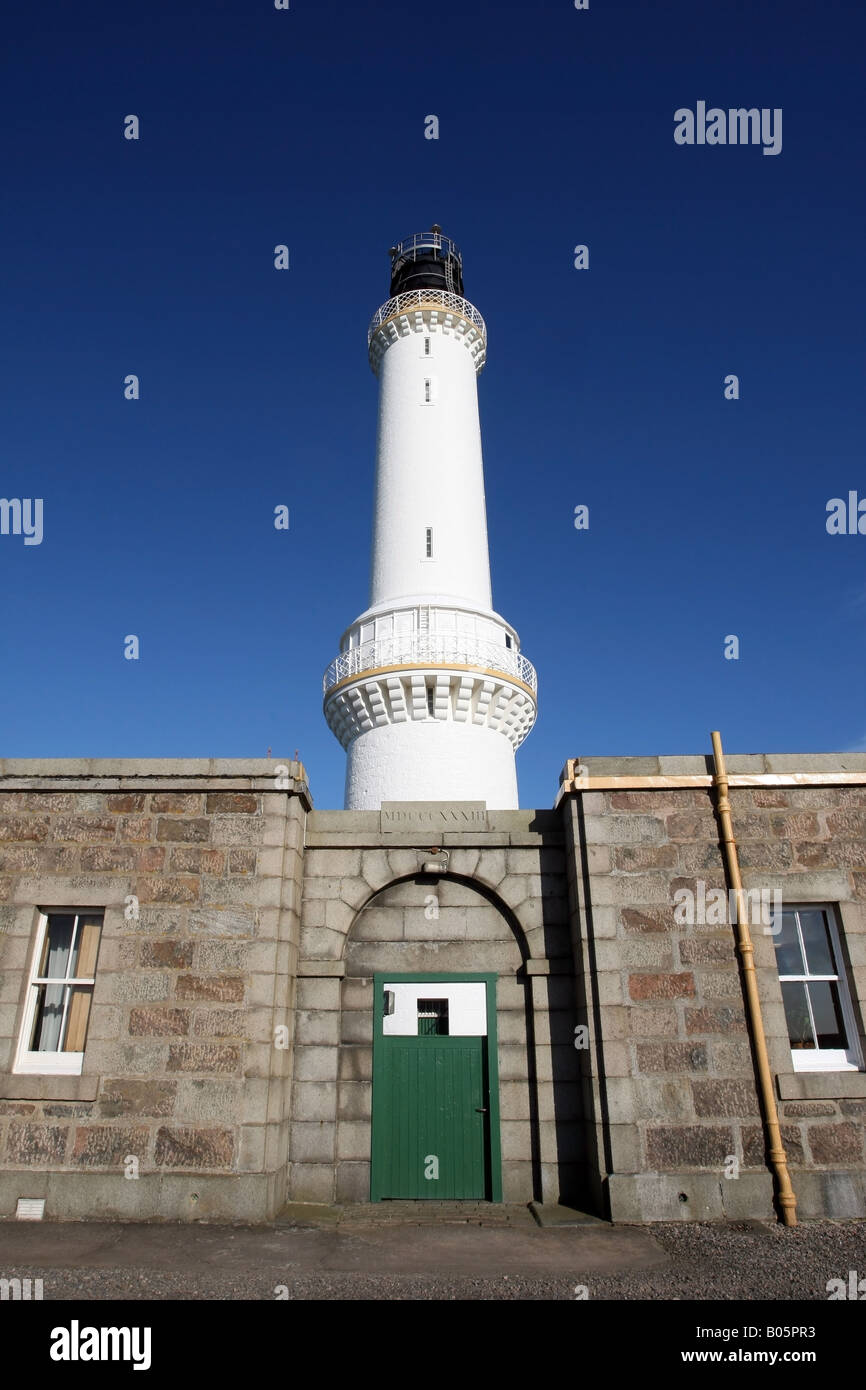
435	1122
429	1118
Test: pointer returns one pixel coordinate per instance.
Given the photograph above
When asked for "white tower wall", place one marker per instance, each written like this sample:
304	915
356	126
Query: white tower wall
429	475
430	762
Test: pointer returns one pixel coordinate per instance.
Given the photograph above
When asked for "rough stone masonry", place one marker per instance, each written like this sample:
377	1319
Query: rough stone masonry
229	1044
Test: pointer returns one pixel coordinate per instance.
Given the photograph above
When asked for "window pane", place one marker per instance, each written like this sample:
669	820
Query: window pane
49	1019
789	957
86	947
816	938
433	1017
55	952
828	1015
797	1014
49	1016
76	1019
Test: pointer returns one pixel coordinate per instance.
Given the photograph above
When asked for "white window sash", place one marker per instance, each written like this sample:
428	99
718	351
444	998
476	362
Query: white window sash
822	1059
29	1062
49	1063
826	1059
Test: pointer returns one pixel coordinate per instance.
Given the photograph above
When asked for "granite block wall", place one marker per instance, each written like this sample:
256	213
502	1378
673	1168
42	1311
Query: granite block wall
672	1108
181	1109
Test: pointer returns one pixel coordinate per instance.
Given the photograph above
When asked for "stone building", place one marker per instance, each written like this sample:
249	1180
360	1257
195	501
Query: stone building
203	982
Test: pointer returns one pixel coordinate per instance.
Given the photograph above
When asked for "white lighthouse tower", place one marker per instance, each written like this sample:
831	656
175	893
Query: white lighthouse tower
430	695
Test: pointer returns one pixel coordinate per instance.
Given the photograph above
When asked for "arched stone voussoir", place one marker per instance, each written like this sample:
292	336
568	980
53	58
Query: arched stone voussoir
340	915
354	891
514	890
375	868
491	869
463	862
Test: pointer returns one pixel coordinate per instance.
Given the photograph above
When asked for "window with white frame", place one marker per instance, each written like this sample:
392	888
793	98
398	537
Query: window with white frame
821	1024
57	1008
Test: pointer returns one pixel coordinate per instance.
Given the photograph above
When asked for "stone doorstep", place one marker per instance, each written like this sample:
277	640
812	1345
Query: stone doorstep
552	1214
311	1215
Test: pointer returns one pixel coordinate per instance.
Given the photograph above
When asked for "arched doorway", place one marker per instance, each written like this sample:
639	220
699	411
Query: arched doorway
433	1009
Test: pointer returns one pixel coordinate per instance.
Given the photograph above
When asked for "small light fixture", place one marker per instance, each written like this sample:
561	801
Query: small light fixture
437	866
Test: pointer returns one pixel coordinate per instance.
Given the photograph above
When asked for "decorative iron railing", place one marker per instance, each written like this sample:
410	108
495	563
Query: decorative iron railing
411	298
439	649
407	249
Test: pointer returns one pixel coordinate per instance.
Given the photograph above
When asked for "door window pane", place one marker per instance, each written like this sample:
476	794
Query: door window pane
433	1017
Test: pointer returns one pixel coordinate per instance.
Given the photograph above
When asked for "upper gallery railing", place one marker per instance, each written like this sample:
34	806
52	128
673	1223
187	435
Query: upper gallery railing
439	649
407	249
400	302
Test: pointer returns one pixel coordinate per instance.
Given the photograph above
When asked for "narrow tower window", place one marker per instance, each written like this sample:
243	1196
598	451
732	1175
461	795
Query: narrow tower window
426	347
430	709
428	542
427	390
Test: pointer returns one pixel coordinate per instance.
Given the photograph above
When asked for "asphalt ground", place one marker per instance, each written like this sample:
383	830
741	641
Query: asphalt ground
335	1257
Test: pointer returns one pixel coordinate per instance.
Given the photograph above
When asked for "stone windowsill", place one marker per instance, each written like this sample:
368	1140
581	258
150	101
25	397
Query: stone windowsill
26	1087
821	1085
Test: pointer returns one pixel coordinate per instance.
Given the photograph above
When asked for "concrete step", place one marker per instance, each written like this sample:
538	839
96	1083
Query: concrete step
309	1215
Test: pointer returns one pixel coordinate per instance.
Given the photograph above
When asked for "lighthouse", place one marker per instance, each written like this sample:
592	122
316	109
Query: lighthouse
430	695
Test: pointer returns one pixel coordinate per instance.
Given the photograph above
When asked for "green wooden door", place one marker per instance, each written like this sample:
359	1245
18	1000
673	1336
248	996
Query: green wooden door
431	1112
429	1125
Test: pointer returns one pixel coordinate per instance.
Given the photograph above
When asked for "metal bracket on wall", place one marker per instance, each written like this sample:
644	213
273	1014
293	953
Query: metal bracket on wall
434	860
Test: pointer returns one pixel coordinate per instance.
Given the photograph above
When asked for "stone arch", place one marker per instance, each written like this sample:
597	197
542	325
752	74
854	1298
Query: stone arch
499	912
473	930
379	869
431	882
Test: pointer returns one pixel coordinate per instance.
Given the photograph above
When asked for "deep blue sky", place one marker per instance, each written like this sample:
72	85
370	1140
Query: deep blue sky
604	387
